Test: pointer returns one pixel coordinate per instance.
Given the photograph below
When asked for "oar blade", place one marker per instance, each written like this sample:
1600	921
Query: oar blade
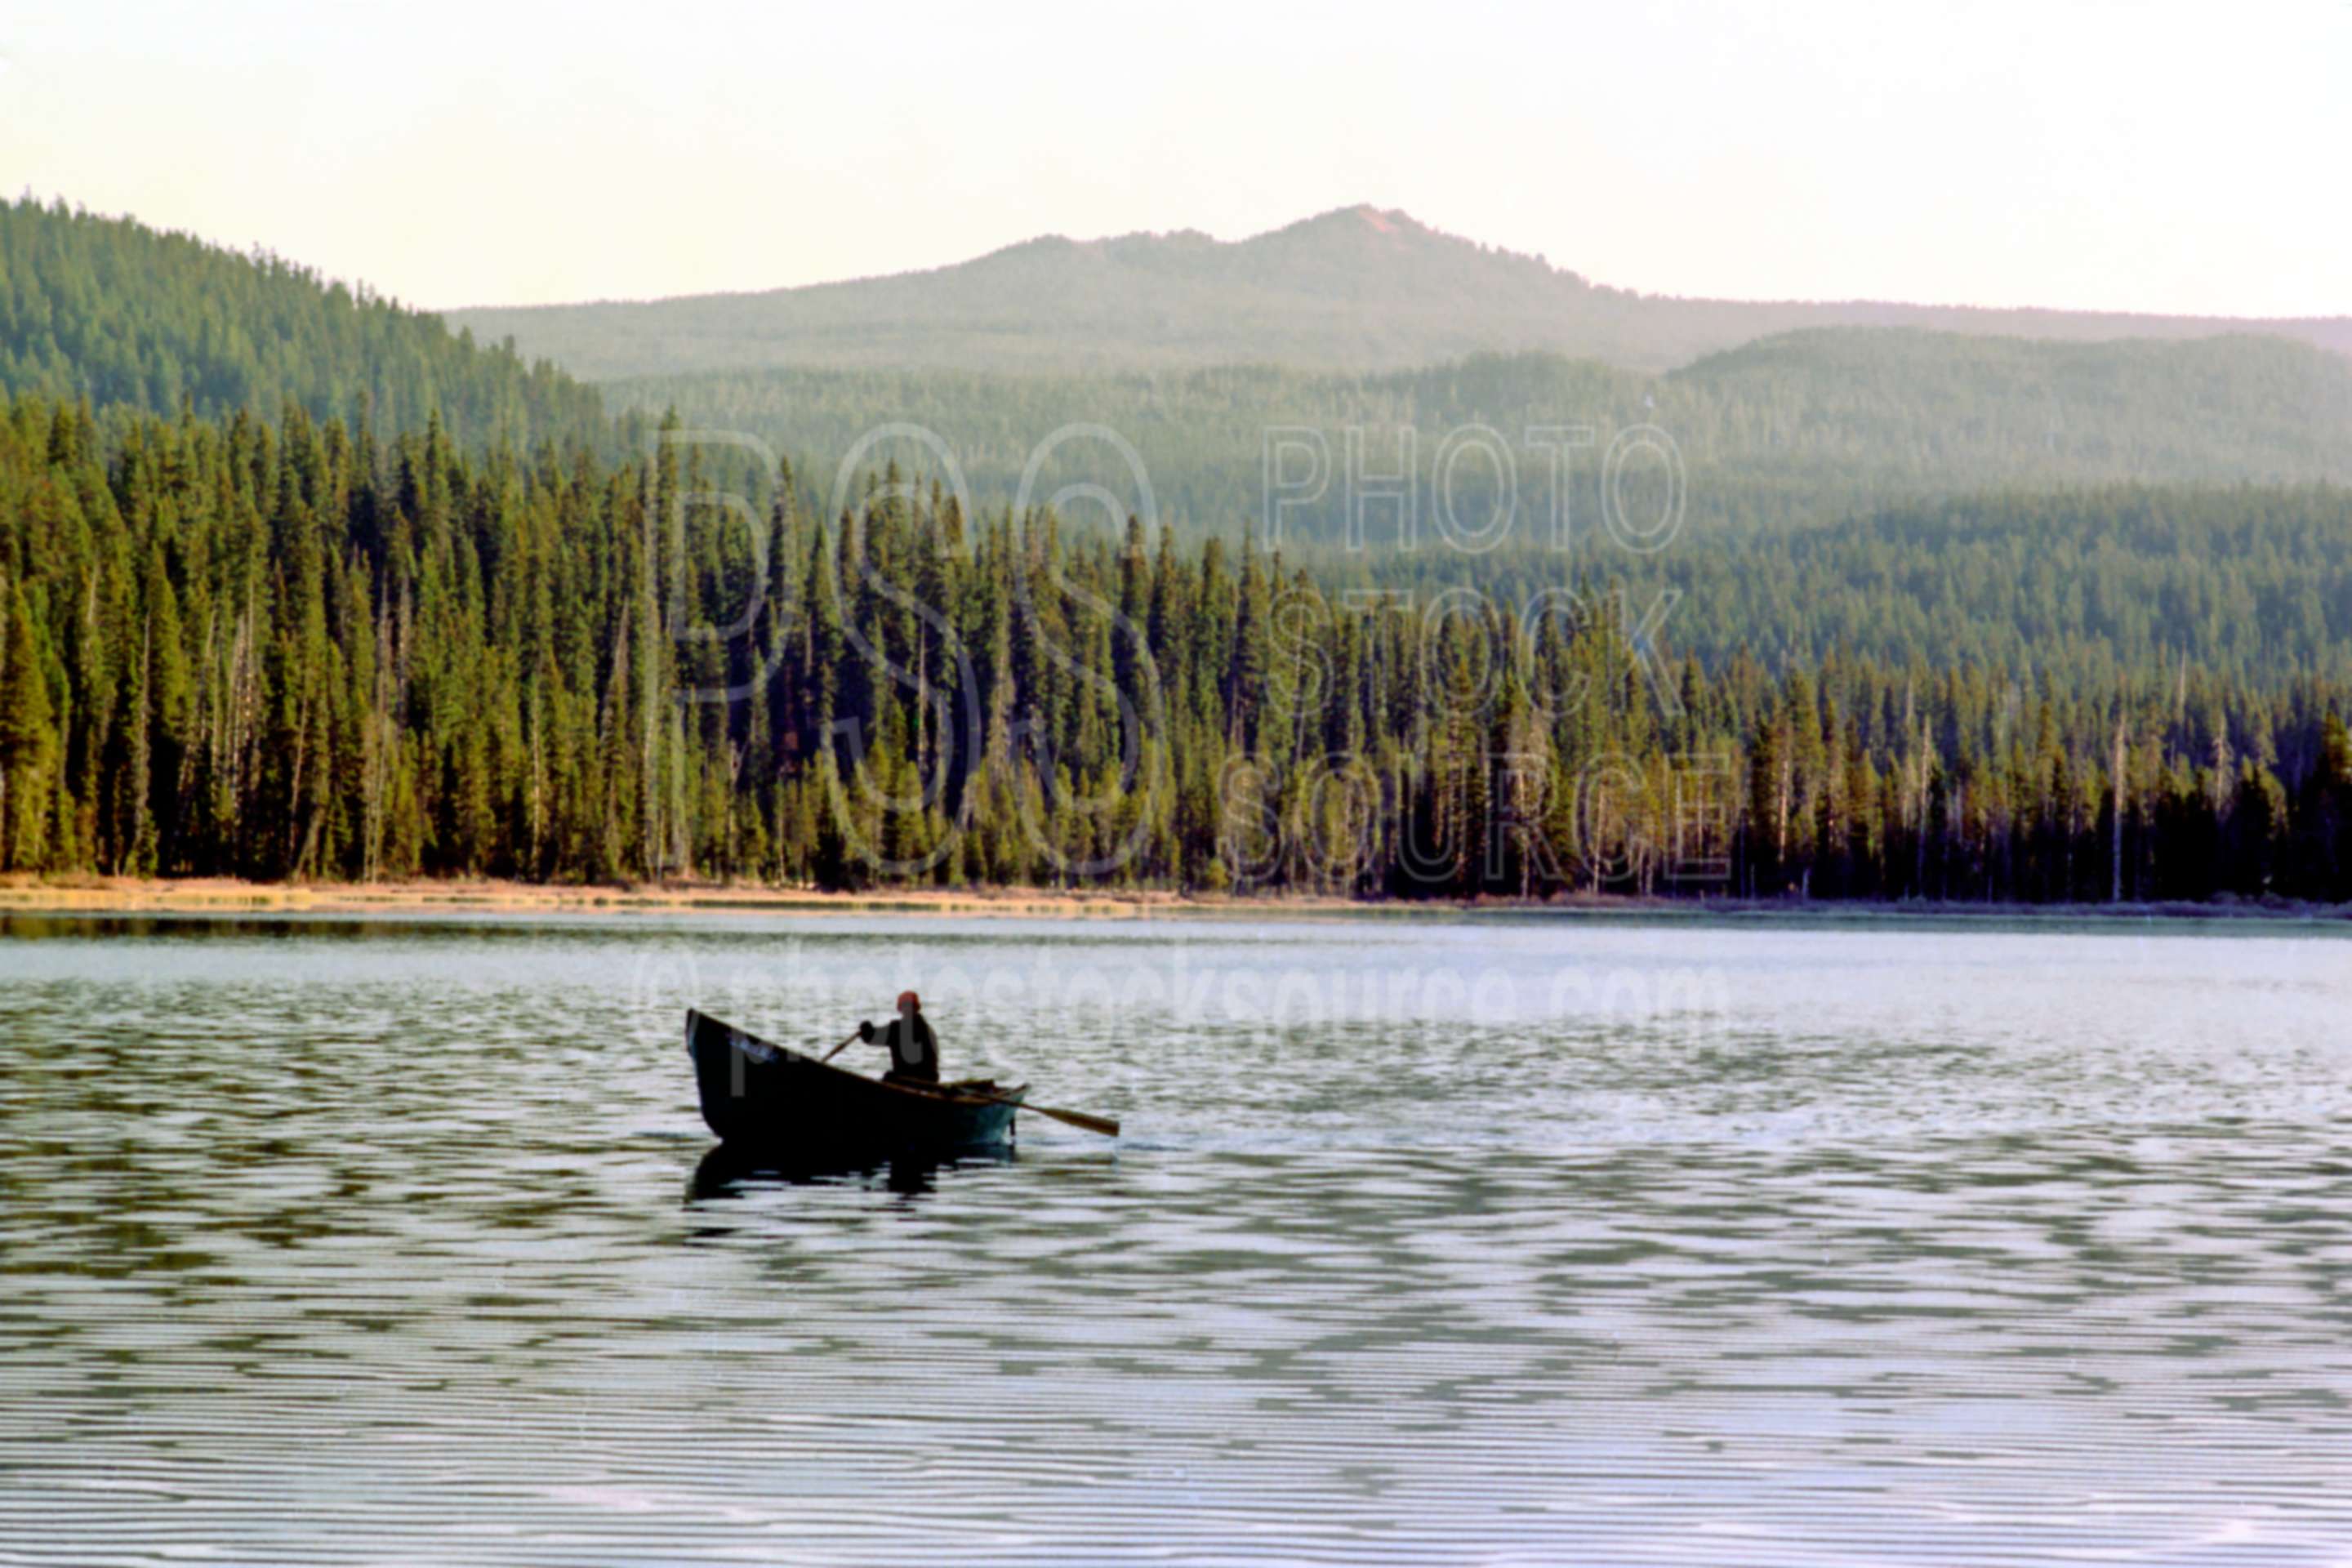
1102	1124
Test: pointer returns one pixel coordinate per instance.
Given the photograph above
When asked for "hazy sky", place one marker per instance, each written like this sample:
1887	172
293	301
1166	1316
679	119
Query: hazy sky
2143	156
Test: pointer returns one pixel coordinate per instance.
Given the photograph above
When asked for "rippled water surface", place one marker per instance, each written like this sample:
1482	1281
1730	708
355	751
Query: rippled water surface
1490	1241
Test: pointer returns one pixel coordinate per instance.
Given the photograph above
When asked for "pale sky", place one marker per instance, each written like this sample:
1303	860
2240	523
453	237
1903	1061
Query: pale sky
2126	156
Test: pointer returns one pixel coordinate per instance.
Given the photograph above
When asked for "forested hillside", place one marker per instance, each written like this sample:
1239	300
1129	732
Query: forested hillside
109	310
229	647
293	583
1356	290
2251	584
1801	429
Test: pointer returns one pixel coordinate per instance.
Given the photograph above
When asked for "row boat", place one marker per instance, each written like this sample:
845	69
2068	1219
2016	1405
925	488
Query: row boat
758	1094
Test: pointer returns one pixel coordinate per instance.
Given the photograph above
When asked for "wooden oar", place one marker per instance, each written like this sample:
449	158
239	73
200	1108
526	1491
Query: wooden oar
1102	1124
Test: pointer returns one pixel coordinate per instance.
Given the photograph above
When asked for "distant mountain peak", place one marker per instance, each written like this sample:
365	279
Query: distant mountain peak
1360	287
1361	219
1372	238
1364	218
1380	220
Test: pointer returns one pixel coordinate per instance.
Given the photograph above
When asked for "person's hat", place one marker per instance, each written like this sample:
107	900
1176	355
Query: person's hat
909	999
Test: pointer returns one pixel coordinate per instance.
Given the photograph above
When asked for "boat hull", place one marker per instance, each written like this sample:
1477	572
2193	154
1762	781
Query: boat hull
759	1095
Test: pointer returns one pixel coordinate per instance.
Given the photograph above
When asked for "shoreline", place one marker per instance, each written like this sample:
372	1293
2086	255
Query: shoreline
231	896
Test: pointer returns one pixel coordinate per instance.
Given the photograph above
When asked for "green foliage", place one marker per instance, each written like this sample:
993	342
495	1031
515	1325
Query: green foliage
287	651
1799	430
279	597
2250	583
28	742
112	312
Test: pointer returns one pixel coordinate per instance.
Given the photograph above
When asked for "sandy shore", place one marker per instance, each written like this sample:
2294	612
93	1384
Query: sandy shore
228	894
223	895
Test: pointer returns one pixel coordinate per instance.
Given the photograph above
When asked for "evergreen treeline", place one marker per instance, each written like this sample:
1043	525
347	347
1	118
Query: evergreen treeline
110	311
290	651
2252	584
1802	429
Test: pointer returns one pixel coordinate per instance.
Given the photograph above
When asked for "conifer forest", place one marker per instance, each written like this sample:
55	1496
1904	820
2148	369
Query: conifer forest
294	584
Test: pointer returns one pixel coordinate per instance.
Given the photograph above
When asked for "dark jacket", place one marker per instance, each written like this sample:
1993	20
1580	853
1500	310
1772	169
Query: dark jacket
914	1050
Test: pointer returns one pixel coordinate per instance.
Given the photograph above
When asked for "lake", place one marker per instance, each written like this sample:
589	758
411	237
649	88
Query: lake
1434	1240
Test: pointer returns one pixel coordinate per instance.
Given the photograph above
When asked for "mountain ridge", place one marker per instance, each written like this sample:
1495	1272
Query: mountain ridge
110	310
1793	431
1355	287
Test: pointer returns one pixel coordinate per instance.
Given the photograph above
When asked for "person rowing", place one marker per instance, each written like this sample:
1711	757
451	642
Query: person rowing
914	1049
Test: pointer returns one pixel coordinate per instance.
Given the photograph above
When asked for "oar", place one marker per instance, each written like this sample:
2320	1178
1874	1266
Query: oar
1102	1124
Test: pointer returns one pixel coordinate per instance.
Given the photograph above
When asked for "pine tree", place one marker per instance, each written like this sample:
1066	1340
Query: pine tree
28	744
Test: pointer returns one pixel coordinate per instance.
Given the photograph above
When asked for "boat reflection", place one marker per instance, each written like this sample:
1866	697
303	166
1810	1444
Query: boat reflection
725	1171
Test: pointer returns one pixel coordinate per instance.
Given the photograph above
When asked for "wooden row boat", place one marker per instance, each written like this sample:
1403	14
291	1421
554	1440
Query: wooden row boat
759	1095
